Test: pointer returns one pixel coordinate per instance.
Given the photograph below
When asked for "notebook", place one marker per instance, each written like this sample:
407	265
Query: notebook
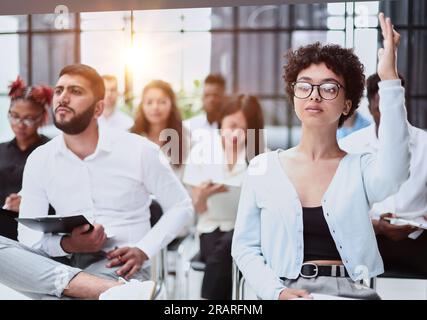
55	224
419	222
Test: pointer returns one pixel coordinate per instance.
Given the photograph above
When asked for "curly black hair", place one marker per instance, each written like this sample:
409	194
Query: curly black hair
340	60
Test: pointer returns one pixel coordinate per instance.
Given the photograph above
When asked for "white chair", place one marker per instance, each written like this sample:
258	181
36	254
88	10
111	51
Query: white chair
238	283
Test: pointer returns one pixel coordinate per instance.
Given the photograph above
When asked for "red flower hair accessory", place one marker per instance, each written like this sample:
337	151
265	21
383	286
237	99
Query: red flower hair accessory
17	88
42	95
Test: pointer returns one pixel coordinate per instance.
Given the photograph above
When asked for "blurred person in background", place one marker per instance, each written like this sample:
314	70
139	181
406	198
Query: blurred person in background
213	100
401	246
352	124
112	116
215	184
159	120
28	111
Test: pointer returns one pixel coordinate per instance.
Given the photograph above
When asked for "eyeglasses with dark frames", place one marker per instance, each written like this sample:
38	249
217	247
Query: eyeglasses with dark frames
327	90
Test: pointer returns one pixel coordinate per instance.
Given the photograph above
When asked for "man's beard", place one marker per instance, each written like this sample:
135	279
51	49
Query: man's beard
78	123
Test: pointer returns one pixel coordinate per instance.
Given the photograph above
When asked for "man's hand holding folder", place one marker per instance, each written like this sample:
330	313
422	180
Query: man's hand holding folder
83	239
80	236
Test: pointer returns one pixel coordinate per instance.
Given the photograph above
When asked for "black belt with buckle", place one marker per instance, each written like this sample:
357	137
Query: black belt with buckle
312	270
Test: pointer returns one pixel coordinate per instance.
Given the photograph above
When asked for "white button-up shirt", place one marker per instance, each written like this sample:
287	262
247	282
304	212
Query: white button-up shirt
112	187
117	120
268	240
222	207
200	122
410	202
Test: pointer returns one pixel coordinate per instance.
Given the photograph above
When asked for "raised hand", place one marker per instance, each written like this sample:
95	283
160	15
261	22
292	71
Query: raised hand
387	56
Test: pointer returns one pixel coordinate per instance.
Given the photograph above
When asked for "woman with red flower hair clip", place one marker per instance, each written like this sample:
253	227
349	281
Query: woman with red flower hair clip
27	113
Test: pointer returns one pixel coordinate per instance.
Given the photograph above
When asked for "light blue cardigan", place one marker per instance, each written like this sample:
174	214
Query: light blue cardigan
268	235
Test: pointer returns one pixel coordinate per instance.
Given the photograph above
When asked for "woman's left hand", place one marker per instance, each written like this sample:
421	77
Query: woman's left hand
387	56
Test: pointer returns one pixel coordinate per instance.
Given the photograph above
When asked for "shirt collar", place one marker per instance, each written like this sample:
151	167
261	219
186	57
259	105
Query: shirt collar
105	142
213	125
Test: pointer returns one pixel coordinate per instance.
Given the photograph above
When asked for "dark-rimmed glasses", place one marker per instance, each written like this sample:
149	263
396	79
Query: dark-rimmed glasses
327	90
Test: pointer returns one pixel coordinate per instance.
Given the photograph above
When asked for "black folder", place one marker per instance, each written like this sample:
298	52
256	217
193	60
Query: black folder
55	224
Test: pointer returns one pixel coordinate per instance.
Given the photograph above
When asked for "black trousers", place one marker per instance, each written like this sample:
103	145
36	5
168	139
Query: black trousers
215	251
8	225
409	255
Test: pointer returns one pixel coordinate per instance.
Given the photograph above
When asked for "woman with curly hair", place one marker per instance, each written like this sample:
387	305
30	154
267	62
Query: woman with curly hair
27	113
303	223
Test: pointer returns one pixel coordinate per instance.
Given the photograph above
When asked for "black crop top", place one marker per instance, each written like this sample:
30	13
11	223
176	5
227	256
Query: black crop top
318	242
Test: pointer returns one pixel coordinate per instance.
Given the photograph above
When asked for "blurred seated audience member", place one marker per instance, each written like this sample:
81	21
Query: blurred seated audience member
112	116
215	171
400	246
213	100
352	124
158	119
27	113
107	175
